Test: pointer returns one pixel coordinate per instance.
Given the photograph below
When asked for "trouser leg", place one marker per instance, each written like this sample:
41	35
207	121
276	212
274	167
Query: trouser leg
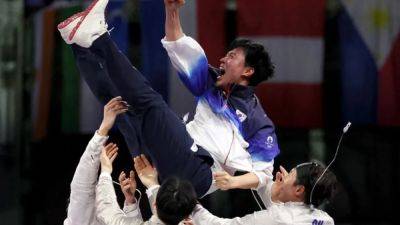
95	74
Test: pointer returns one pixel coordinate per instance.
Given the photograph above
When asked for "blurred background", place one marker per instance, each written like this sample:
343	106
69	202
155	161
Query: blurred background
336	61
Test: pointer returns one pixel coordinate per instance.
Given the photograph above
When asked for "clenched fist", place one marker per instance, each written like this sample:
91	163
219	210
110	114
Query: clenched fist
173	4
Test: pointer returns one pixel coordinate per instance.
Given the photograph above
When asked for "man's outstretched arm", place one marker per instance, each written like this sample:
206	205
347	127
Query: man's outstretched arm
173	28
224	181
186	55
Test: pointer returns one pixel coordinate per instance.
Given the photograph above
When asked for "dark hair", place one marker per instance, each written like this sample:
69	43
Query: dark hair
308	174
256	57
175	200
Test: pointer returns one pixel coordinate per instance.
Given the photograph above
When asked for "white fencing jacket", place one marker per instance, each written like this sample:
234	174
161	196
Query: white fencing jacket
81	207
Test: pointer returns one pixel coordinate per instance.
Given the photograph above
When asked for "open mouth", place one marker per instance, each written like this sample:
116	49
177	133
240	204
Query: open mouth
221	72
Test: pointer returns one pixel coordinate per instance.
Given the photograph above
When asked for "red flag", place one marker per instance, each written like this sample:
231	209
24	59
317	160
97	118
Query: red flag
292	31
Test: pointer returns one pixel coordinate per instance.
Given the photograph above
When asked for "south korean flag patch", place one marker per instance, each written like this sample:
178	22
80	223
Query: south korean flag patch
242	117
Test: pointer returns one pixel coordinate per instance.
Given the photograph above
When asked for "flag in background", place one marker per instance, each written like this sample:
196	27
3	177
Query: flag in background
370	61
69	80
44	21
211	29
117	20
292	32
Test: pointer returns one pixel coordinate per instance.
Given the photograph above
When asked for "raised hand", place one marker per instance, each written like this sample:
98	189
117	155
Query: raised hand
128	186
146	172
107	157
111	110
173	4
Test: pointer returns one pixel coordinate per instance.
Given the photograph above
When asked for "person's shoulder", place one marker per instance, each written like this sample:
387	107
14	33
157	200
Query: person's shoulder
321	215
280	209
279	213
265	193
293	212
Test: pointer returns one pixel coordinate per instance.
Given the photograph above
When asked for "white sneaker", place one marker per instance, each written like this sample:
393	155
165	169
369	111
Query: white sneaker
66	26
90	25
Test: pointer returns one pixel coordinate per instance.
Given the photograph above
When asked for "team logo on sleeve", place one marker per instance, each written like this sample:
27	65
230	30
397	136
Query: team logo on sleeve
270	142
242	117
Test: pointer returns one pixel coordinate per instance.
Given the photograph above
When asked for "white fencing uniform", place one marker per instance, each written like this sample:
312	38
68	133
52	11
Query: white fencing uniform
81	207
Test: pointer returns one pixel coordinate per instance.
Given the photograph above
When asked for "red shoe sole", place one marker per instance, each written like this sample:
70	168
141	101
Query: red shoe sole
85	13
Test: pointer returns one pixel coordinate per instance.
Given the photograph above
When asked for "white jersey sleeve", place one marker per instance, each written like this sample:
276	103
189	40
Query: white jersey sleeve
82	196
189	59
263	170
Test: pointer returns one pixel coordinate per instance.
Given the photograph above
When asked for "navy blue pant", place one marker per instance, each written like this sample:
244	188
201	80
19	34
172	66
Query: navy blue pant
151	122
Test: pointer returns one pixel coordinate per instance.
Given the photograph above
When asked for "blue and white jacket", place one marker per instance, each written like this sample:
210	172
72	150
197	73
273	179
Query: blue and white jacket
234	130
